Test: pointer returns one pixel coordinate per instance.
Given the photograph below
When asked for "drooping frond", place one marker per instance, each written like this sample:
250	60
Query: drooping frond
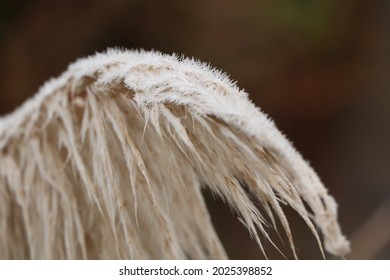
108	160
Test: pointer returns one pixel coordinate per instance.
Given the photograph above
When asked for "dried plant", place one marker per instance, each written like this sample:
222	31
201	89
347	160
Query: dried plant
108	162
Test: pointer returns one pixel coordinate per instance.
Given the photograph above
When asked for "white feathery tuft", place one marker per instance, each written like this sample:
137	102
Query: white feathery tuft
108	161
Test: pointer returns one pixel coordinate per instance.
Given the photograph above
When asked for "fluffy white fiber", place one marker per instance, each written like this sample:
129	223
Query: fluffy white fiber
108	162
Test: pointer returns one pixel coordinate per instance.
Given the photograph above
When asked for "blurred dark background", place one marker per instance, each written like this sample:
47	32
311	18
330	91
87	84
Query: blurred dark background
319	68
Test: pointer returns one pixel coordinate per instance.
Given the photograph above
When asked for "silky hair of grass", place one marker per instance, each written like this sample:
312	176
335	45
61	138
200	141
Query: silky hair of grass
108	161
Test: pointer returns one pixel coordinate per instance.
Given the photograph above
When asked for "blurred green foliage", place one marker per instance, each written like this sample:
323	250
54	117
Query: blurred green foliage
314	25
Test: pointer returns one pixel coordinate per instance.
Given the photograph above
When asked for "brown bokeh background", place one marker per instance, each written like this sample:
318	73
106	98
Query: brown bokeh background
319	68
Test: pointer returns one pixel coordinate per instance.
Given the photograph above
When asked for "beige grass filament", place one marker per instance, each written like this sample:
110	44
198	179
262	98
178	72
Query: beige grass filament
108	160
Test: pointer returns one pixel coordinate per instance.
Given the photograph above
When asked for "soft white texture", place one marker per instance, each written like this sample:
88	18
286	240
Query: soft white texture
108	161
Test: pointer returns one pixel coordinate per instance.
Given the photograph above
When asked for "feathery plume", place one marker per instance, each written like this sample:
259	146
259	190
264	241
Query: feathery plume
108	162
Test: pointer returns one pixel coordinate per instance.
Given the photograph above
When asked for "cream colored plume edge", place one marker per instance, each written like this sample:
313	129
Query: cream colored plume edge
108	161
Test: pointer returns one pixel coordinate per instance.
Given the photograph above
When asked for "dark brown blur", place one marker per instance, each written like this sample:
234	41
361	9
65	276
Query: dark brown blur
319	68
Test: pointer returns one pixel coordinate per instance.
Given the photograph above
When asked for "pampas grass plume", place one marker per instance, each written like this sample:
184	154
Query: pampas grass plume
108	161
